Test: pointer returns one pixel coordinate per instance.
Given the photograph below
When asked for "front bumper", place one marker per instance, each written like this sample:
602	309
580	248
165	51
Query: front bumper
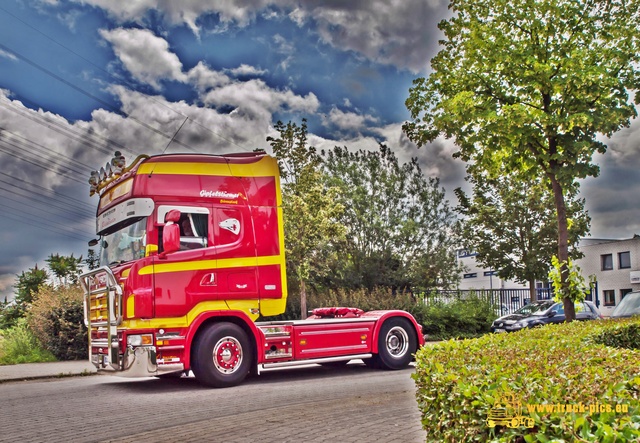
507	328
140	361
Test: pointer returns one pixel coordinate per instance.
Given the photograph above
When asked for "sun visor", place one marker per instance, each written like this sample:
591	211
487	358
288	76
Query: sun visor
134	208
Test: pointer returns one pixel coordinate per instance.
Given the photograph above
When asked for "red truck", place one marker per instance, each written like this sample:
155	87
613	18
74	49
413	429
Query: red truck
192	254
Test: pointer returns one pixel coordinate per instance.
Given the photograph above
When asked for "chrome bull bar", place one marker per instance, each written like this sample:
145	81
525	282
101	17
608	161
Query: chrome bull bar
102	315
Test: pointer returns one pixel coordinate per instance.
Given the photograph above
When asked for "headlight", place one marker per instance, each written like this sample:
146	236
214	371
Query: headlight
140	340
521	324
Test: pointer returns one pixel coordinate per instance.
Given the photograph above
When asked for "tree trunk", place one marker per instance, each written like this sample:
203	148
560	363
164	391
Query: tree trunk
563	245
533	295
303	300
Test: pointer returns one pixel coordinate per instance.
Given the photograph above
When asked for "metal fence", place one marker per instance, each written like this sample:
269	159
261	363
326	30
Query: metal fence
505	301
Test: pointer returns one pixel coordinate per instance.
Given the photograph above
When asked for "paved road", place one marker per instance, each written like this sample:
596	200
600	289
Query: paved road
315	404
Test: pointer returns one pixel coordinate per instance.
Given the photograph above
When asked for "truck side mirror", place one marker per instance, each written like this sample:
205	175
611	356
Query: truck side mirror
171	232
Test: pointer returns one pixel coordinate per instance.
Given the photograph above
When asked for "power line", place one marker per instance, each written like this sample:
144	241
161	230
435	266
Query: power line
10	213
47	190
51	202
38	147
49	160
66	131
77	220
88	94
113	77
12	154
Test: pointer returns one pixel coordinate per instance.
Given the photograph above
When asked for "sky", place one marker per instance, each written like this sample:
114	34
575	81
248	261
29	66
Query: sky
80	79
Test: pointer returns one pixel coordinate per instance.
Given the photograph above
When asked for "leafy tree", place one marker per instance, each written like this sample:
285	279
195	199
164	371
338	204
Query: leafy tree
528	86
400	229
511	224
27	286
309	206
92	261
66	268
29	283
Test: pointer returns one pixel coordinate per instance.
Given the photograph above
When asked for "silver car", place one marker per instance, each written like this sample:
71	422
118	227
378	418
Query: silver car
628	306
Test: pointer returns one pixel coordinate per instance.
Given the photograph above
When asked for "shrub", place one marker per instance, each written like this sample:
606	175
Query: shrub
626	335
463	318
18	345
459	382
56	319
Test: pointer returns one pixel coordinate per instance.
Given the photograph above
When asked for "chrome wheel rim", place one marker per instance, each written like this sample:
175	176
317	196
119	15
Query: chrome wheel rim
397	341
227	355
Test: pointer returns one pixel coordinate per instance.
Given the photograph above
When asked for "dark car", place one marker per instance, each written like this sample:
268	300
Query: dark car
628	306
542	312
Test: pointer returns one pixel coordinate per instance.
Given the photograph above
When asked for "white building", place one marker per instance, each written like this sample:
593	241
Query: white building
476	277
614	263
616	267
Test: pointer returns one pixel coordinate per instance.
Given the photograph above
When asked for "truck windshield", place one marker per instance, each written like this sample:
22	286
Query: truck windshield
126	244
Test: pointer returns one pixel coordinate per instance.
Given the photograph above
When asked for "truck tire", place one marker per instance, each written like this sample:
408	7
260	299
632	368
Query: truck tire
396	343
221	356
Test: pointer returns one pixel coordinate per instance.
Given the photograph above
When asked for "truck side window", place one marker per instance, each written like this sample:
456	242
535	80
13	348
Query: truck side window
193	224
193	231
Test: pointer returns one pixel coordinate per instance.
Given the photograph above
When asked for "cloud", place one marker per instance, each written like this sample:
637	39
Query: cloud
247	70
241	12
255	99
381	30
612	197
149	59
144	55
203	78
349	122
8	55
401	33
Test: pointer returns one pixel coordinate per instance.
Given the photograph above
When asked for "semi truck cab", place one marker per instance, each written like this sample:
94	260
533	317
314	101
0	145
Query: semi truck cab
191	255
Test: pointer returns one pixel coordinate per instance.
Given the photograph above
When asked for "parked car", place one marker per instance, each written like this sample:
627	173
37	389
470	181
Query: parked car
628	306
542	312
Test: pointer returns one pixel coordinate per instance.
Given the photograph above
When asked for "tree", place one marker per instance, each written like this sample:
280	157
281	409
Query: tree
309	205
400	229
27	286
65	267
92	261
529	86
511	224
29	283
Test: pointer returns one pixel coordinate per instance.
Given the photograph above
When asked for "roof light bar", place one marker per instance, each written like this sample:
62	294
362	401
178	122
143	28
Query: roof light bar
111	172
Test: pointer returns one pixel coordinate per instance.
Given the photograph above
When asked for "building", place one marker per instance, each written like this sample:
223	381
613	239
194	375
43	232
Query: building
616	267
475	276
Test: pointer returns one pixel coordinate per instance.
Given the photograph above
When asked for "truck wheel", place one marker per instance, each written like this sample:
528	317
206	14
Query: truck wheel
221	356
396	343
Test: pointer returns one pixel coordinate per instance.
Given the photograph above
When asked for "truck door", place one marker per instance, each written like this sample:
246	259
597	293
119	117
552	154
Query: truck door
235	253
186	277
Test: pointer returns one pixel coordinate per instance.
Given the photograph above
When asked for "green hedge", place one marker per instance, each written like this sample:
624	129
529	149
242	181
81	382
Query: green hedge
461	384
463	318
624	335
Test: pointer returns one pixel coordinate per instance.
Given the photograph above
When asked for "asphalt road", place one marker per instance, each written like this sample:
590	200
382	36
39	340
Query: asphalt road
313	404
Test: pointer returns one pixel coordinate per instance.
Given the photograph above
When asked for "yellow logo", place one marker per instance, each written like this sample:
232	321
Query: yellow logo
507	411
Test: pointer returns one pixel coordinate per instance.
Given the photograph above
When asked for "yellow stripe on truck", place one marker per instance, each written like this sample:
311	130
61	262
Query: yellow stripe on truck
226	263
184	321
